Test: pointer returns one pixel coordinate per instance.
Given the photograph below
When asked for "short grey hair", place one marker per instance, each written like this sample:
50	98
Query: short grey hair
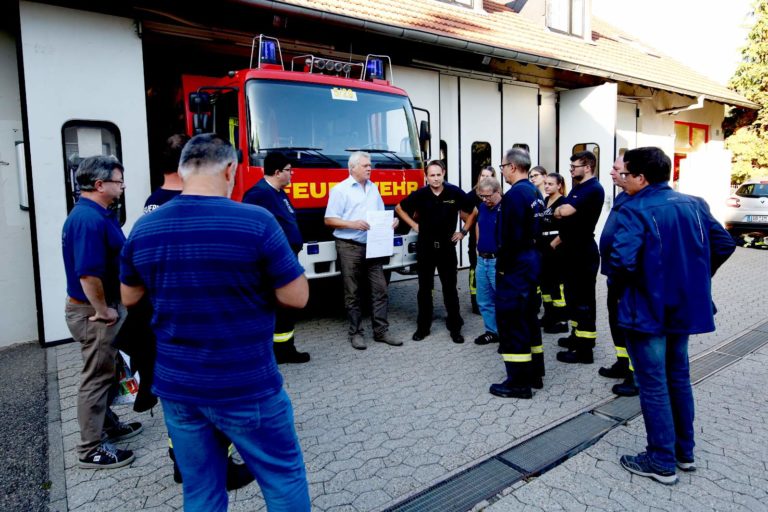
96	168
519	157
355	157
489	183
206	153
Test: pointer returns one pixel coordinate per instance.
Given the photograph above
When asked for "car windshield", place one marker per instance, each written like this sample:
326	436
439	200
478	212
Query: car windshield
753	190
320	124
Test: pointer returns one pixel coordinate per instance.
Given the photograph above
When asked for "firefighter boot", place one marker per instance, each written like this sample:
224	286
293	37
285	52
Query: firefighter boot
517	384
285	352
537	367
626	388
618	370
576	355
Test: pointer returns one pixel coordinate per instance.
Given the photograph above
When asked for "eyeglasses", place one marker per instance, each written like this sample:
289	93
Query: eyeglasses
502	166
577	166
485	197
286	169
534	175
114	181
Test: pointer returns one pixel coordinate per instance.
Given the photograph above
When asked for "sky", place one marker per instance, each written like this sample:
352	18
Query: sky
705	35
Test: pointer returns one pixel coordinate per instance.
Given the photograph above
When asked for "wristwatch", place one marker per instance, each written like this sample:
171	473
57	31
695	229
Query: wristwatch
463	232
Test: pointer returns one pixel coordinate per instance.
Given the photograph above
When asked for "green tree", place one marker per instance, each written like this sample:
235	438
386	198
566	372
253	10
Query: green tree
747	130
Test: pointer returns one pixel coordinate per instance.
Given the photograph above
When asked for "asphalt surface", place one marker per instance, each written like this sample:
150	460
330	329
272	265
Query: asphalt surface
24	429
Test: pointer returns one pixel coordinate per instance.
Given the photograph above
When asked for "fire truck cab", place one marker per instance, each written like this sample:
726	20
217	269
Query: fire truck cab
316	111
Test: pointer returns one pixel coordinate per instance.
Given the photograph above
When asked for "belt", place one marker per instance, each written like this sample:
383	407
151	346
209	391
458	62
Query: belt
73	300
353	242
487	255
547	233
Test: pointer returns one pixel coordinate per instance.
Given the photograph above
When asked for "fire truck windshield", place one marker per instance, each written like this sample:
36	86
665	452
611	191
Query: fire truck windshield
321	122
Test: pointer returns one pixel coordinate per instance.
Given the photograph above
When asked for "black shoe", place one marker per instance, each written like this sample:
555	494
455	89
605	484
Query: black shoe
485	339
419	335
106	456
568	342
556	328
238	475
176	473
537	383
505	390
576	356
618	370
291	356
123	431
626	388
457	337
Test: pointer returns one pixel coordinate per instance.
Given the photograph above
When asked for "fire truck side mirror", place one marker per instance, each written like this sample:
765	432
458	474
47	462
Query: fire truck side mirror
200	106
424	137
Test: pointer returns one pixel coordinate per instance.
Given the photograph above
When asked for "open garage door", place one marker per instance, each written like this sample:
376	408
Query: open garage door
588	122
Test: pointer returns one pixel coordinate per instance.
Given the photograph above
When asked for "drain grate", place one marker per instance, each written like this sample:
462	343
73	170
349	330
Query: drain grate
463	491
709	364
549	448
745	344
623	408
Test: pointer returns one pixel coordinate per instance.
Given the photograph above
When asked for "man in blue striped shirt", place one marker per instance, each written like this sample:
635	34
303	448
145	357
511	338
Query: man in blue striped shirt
215	270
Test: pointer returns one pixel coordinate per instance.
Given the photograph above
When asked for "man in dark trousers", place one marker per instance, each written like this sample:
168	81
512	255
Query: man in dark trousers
622	368
577	234
269	193
518	265
432	211
666	248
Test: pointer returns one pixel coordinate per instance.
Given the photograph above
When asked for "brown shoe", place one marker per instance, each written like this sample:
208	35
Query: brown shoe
386	338
358	341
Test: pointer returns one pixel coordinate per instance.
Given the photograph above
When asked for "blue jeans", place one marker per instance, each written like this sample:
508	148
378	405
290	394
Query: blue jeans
666	396
485	279
265	437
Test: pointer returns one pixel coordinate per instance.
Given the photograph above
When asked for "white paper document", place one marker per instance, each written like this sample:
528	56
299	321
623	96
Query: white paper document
381	235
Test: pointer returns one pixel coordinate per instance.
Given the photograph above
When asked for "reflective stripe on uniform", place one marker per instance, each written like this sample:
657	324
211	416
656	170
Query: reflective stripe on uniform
282	337
560	303
517	358
622	352
472	282
586	334
574	323
546	298
538	349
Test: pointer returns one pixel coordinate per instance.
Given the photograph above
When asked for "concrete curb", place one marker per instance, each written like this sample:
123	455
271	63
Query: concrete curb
56	475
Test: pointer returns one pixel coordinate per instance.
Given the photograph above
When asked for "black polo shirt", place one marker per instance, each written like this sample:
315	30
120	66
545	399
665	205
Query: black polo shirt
587	198
437	214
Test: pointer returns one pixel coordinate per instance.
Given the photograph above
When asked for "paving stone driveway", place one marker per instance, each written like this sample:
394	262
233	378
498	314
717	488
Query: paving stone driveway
380	424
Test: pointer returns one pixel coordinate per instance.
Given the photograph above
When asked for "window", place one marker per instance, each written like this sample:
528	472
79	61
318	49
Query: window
594	148
689	137
481	157
567	16
81	139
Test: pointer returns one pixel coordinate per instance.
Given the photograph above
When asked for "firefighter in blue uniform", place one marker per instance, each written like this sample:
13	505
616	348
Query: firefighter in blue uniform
577	234
269	193
518	265
433	211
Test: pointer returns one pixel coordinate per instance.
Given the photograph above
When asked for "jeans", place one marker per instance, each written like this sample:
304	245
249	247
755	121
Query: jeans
354	268
485	275
666	395
264	435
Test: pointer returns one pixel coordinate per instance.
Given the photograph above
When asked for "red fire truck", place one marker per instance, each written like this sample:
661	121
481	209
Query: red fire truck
316	111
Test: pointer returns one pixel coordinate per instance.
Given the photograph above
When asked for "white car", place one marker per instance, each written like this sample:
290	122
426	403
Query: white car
748	209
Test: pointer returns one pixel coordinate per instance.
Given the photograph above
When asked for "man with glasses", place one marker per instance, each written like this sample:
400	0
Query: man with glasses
269	193
666	248
489	192
577	234
91	242
518	265
432	211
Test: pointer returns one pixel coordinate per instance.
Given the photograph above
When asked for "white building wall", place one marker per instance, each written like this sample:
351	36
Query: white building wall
18	320
78	66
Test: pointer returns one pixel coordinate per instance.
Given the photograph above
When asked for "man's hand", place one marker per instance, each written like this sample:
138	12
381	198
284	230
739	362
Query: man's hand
555	242
457	236
360	225
109	317
395	223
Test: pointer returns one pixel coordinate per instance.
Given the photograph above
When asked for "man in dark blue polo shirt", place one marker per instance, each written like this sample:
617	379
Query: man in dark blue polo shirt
269	193
577	233
436	208
91	241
